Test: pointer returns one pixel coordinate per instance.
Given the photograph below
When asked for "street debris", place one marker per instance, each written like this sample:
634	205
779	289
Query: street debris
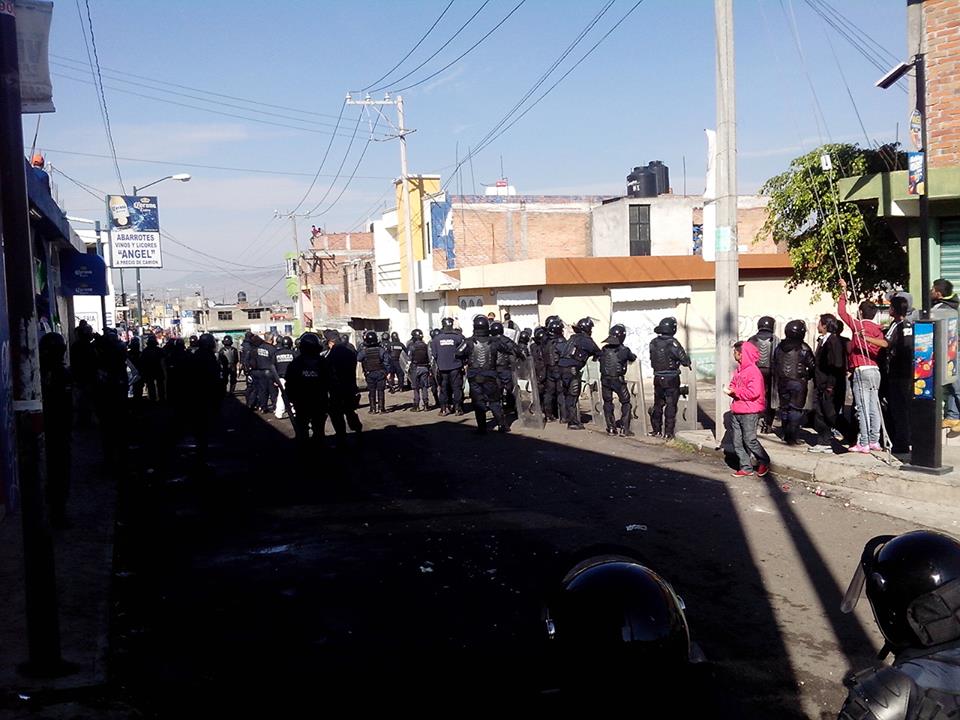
820	492
785	487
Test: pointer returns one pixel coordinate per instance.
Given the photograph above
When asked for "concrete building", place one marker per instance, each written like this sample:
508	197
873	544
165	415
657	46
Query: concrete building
634	291
337	284
933	26
236	319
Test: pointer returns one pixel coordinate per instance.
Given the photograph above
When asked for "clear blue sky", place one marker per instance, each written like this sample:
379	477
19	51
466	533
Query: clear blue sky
646	93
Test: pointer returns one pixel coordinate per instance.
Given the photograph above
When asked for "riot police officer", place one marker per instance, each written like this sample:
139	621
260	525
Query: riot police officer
614	357
375	362
666	357
506	367
793	365
419	370
307	388
913	584
578	349
449	366
536	352
766	342
264	372
434	373
553	347
480	352
285	355
397	349
344	396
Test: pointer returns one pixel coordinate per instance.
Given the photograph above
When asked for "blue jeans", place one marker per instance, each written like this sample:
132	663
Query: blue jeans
745	443
866	394
951	401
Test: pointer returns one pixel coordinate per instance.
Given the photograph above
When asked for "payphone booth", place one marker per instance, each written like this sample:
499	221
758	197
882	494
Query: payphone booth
934	366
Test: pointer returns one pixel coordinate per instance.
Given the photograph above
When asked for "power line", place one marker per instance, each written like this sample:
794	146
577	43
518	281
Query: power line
439	50
890	57
342	161
323	160
195	89
98	84
366	215
349	179
178	163
404	58
466	52
89	189
205	109
256	237
172	239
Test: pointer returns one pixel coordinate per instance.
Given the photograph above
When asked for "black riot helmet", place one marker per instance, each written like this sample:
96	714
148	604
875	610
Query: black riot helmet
618	333
766	323
913	585
153	342
667	326
194	340
344	338
287	342
524	337
384	337
554	326
612	610
481	325
539	334
585	326
417	334
496	328
795	330
207	342
370	339
227	341
52	348
447	323
394	337
309	343
434	332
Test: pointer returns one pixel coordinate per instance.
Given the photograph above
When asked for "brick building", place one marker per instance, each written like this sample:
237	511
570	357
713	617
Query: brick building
337	279
933	27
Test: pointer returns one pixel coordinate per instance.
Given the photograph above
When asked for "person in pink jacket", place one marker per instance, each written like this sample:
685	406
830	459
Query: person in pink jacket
749	401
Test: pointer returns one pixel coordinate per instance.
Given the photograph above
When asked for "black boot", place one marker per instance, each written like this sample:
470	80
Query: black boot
625	426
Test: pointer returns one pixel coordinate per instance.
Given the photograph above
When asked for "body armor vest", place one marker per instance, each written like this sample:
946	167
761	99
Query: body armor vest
552	350
284	357
371	361
419	356
396	350
662	357
231	355
789	361
765	346
575	351
482	355
610	363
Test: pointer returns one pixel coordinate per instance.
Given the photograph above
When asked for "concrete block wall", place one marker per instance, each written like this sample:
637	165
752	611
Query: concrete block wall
942	23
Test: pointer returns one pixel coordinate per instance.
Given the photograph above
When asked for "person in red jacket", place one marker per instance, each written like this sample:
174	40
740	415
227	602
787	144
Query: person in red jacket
749	401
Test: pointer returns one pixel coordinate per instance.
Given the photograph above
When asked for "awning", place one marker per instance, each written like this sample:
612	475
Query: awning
82	273
508	298
53	223
651	293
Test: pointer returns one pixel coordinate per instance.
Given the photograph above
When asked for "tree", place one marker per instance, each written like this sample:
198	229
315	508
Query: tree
826	237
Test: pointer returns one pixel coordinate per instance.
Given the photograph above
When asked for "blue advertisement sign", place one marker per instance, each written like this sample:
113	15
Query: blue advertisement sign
82	273
923	361
134	231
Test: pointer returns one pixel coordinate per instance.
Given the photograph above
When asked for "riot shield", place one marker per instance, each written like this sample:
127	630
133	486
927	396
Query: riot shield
527	395
634	379
405	366
591	386
687	413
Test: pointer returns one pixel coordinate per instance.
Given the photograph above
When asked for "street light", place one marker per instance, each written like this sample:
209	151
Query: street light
182	177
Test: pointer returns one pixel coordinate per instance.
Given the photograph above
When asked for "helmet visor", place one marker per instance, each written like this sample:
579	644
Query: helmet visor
855	589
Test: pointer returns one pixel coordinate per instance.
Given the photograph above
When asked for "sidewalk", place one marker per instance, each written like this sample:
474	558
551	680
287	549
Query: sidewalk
84	560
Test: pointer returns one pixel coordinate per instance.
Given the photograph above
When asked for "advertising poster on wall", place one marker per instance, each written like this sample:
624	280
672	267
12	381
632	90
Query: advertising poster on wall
923	361
915	179
134	231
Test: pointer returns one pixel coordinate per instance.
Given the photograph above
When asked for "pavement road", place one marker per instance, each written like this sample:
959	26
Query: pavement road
414	561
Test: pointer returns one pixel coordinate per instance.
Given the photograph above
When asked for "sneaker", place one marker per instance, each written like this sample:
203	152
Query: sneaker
948	423
837	435
858	448
762	470
654	433
742	473
820	449
876	446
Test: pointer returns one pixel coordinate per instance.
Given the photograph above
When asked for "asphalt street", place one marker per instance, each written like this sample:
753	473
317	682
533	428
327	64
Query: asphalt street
413	562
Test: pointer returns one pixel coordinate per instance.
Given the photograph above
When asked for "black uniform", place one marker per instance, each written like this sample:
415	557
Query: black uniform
551	350
206	392
506	367
229	358
344	396
450	368
397	349
419	355
766	342
480	352
264	372
57	386
308	387
898	383
666	357
793	364
828	373
375	362
579	348
613	367
283	358
152	371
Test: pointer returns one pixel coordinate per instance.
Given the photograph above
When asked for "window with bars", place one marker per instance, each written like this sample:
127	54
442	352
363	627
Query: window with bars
224	315
253	314
368	277
639	229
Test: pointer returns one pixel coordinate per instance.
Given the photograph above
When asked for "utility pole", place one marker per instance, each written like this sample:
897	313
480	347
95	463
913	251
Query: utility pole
727	264
402	133
139	324
296	260
40	583
103	298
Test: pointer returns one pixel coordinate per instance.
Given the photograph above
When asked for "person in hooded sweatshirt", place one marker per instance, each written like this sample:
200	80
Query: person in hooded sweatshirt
746	389
945	304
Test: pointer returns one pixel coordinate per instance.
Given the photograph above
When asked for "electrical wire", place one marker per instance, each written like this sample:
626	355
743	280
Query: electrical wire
256	237
323	160
144	78
404	58
349	179
203	109
178	163
439	50
463	54
862	34
343	160
89	189
366	215
172	239
94	63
